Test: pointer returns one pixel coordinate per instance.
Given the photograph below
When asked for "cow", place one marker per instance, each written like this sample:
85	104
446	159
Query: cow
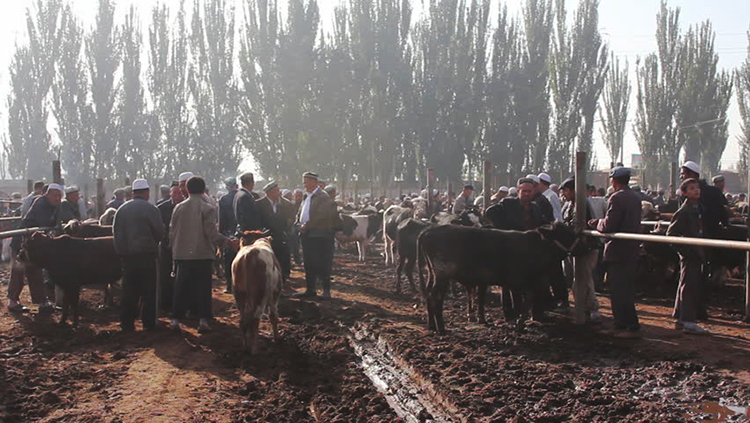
78	229
108	217
360	229
73	263
408	231
392	216
258	281
481	257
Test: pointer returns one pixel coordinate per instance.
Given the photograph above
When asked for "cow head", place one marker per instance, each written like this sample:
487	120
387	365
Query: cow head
471	216
72	227
249	237
563	237
36	249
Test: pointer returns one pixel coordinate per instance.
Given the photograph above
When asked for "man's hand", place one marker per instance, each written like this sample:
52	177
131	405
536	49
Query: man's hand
303	229
593	223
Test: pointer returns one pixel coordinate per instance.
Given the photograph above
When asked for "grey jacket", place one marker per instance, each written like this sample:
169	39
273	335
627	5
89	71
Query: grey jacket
137	228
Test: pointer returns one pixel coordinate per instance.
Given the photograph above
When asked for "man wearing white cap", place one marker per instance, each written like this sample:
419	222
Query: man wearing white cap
69	208
42	214
182	180
138	228
544	186
541	200
277	215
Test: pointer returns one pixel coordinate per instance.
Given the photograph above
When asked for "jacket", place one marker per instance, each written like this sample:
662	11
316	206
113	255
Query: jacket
623	215
554	201
165	211
68	211
324	216
227	222
570	218
277	222
509	214
687	223
192	231
544	205
246	212
460	204
137	228
715	212
41	214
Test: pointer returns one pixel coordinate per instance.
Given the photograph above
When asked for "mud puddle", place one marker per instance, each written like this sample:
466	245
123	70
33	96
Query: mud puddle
413	399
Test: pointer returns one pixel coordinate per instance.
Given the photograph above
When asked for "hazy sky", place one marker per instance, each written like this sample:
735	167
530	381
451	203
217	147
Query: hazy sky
628	25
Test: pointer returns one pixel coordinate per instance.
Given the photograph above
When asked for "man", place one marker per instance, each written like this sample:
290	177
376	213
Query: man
166	209
288	194
588	259
463	200
182	182
38	188
277	215
544	204
501	193
194	237
544	186
128	193
137	229
69	208
719	182
227	227
317	221
294	242
621	256
118	200
642	195
245	208
331	191
165	194
42	214
686	222
659	199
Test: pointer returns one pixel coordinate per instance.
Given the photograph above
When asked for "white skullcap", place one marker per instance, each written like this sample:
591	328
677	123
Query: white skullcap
503	189
533	178
184	176
544	177
57	187
513	191
71	189
692	166
140	184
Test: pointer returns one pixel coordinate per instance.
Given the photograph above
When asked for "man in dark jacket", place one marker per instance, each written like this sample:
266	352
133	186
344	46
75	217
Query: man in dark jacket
317	220
165	252
245	208
42	214
518	214
621	256
69	209
545	206
138	229
277	215
228	227
687	222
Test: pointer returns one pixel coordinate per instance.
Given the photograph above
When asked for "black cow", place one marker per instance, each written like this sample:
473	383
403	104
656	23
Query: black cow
77	229
72	263
392	216
481	257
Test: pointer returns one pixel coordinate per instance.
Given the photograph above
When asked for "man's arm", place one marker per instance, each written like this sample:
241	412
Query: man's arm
157	226
613	219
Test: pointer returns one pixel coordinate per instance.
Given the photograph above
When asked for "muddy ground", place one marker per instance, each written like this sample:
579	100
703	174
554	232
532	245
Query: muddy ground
552	372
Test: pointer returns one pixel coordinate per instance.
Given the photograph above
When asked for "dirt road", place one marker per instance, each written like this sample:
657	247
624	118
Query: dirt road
555	372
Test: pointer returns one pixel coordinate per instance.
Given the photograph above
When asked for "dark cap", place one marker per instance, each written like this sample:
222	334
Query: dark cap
469	186
619	172
311	175
269	186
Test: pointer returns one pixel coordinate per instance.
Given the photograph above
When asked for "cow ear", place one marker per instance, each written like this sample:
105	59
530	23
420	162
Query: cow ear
266	233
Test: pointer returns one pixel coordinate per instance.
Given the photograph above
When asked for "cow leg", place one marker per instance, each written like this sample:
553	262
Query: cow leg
410	262
481	297
273	316
509	309
252	335
75	296
65	307
108	300
399	269
387	250
470	290
440	289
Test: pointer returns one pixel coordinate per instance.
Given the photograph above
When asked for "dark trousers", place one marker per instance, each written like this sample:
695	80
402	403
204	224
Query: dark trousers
294	242
229	255
193	286
139	284
559	285
688	298
621	279
166	280
318	255
281	251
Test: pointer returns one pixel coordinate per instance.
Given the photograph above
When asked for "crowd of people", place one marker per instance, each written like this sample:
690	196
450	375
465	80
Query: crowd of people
176	237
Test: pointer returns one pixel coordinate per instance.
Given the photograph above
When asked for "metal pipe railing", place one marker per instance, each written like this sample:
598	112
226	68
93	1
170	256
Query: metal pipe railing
25	231
10	219
700	242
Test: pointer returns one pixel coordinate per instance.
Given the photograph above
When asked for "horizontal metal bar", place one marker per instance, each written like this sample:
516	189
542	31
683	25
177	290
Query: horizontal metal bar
667	222
25	231
700	242
10	219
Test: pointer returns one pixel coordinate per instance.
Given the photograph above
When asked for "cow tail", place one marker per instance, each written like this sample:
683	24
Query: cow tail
421	261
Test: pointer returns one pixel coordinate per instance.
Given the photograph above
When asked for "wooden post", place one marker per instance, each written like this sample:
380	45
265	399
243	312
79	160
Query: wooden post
30	185
578	284
673	178
100	203
430	198
56	172
487	183
747	265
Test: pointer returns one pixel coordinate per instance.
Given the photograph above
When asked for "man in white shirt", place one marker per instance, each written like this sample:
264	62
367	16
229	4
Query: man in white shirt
29	199
545	181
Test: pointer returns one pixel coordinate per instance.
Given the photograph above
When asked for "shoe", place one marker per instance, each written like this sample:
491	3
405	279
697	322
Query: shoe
18	308
305	294
46	309
204	328
628	334
694	329
327	294
679	324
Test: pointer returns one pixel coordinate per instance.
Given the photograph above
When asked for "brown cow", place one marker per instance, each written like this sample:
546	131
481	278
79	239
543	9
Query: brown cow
257	278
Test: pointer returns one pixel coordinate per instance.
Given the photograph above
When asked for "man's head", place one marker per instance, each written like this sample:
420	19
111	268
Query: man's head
128	193
247	181
535	181
742	197
141	189
272	190
331	191
196	185
119	194
230	183
502	192
310	181
620	177
544	181
468	190
569	189
298	195
691	190
718	181
164	192
72	194
38	187
175	194
526	190
54	194
690	170
288	194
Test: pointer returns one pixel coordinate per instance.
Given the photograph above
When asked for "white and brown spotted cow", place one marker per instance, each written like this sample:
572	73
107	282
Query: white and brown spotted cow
257	286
